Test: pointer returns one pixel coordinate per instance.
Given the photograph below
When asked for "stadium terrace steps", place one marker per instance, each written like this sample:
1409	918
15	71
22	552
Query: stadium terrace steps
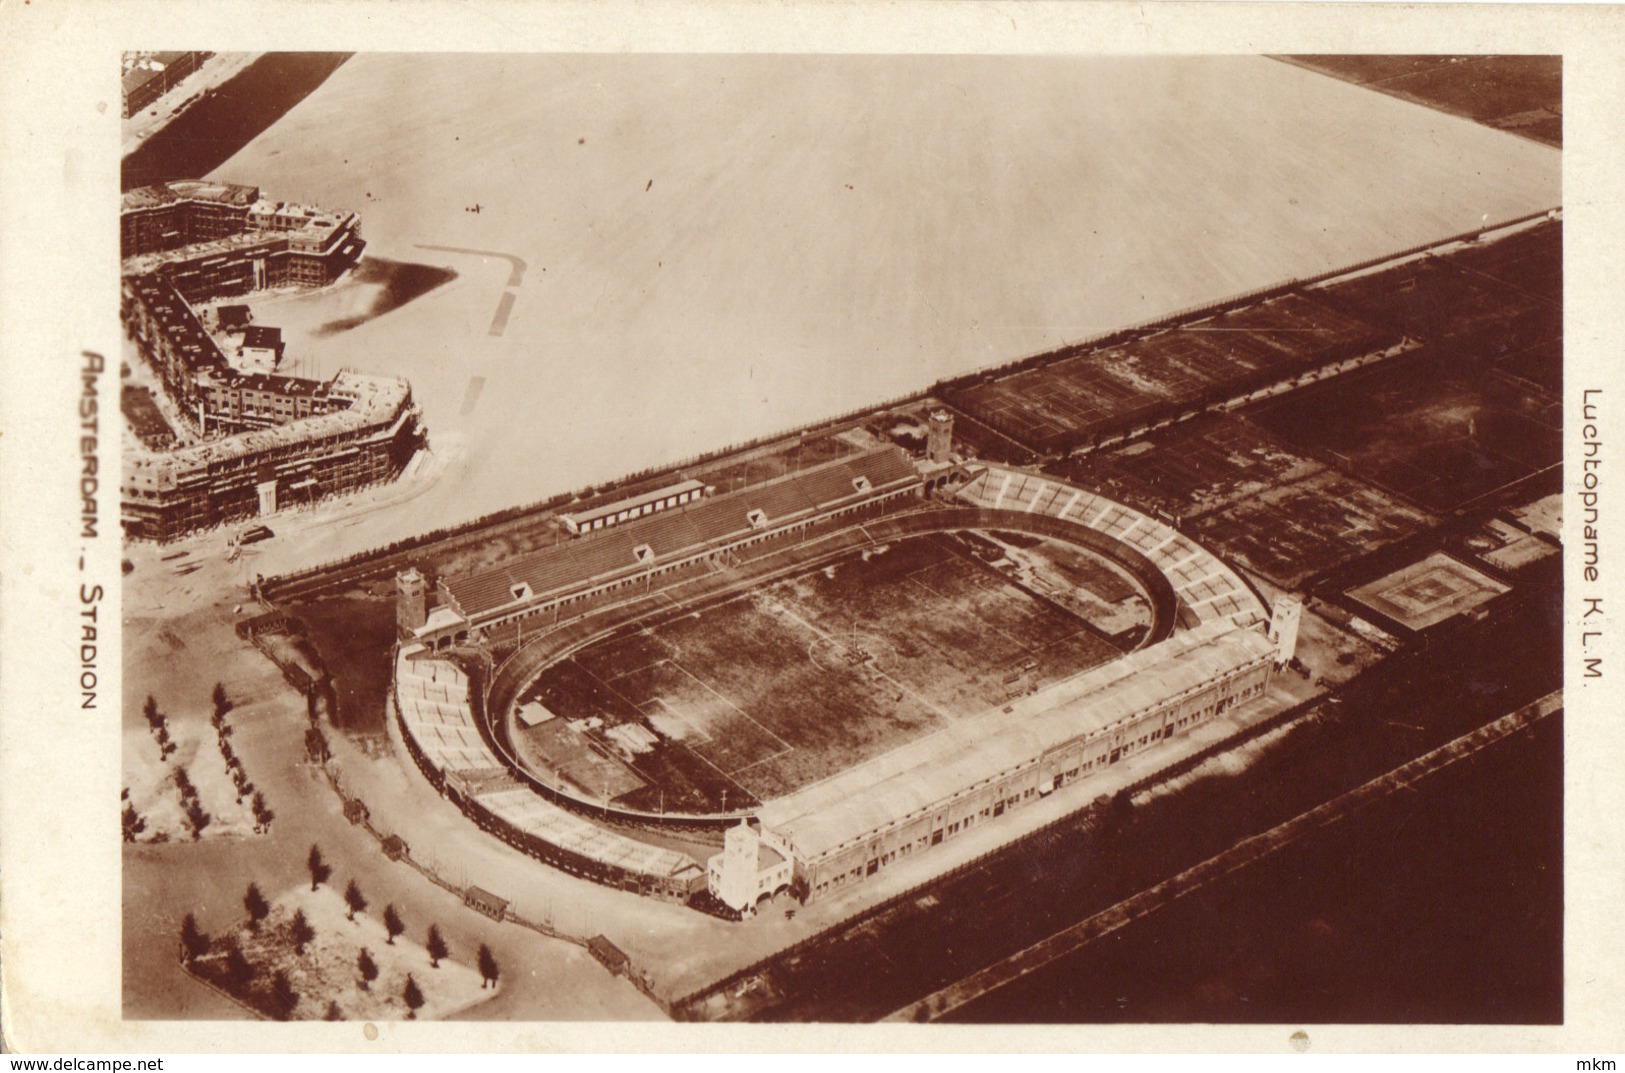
432	703
1204	584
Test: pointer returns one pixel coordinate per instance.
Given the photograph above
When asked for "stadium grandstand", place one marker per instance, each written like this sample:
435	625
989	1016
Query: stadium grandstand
705	530
849	827
1205	586
438	729
589	517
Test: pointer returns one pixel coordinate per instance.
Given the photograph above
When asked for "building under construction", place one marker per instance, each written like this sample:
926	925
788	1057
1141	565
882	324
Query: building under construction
258	442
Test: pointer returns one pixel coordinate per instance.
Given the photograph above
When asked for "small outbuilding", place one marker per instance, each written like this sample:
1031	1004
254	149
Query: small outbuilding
234	317
261	349
484	901
613	957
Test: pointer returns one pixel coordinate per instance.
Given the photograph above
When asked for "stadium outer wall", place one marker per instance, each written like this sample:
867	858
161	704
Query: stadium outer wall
1020	784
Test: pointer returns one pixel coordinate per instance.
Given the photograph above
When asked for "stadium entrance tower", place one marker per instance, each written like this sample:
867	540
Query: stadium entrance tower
1284	627
939	443
748	870
411	601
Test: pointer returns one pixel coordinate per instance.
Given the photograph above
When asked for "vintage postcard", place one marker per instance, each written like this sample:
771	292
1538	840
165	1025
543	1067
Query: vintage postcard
1067	527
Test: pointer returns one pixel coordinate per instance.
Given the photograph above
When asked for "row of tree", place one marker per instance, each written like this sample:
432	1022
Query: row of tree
197	818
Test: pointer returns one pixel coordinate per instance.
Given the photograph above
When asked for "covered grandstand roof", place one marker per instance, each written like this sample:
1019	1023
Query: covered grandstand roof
870	797
685	529
604	506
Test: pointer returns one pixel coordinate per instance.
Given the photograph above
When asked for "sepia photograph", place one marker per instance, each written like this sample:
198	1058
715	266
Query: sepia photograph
691	527
681	536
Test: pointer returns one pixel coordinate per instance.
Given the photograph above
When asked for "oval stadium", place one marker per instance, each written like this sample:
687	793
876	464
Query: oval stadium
834	669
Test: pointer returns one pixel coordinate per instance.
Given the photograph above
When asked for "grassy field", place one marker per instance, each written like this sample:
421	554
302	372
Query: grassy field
1439	432
355	636
787	685
1521	94
144	418
1293	531
1063	403
718	247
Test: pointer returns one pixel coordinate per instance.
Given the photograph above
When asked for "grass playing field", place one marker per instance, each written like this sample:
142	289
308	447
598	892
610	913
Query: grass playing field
789	684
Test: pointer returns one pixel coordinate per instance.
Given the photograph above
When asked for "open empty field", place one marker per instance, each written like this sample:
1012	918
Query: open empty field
696	250
1066	402
787	685
1439	432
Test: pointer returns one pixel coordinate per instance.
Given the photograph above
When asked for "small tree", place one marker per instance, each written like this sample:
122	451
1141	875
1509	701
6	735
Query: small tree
239	971
150	711
283	997
222	703
319	869
258	908
316	746
133	823
197	819
488	967
368	968
262	813
436	946
413	997
194	942
183	783
393	924
332	1013
300	931
354	899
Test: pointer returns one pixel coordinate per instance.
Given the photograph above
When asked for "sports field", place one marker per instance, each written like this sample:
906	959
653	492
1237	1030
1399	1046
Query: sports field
1062	404
1439	432
784	686
1426	593
678	252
